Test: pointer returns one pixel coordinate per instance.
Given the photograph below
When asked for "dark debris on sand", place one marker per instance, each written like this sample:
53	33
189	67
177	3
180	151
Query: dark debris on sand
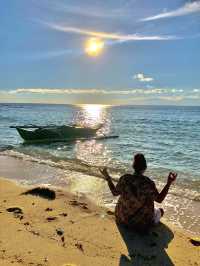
15	210
48	209
45	193
18	213
195	241
79	246
52	218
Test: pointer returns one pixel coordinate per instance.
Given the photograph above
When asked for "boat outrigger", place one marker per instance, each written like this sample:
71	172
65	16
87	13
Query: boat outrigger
53	133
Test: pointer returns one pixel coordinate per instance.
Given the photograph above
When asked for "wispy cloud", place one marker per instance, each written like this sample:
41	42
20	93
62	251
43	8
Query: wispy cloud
73	91
109	36
187	9
102	96
98	91
141	77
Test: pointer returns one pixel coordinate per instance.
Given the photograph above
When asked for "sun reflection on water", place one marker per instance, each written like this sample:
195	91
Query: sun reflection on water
91	115
92	151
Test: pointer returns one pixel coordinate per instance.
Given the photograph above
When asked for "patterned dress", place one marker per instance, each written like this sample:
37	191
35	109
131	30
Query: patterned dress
135	207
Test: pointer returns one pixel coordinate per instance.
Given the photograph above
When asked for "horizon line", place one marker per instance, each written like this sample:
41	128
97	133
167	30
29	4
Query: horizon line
111	105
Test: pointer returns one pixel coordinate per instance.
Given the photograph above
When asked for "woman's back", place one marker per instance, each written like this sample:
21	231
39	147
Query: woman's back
137	192
136	202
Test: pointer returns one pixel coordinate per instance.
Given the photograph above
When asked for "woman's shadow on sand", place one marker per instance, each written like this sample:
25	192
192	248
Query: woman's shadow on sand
146	249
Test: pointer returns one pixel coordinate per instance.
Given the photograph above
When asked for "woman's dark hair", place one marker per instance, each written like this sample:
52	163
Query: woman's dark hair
139	163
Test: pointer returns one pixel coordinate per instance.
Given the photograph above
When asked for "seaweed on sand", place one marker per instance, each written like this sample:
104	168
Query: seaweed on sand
45	193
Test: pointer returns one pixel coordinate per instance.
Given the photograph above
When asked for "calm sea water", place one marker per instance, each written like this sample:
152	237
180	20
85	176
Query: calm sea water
169	137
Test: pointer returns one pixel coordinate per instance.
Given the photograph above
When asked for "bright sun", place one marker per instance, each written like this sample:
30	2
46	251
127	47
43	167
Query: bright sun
94	46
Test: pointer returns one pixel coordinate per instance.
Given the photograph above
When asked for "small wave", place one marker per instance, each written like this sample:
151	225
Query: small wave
65	164
183	192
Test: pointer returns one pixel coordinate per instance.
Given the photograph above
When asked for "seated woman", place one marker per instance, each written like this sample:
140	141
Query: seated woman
135	207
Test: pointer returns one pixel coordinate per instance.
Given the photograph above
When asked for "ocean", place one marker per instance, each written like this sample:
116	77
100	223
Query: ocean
169	137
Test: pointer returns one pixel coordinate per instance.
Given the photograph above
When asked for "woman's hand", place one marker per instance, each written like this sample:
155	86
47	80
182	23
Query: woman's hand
171	177
104	172
108	178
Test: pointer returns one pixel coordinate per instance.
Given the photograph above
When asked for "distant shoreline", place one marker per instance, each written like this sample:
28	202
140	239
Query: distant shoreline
111	105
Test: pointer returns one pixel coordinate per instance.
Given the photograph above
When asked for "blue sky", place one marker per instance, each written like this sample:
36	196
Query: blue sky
151	53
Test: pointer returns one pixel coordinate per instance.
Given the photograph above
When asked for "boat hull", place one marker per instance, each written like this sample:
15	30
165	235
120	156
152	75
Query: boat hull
53	134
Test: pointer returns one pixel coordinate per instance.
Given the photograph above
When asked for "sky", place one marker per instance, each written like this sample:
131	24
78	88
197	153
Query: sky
151	52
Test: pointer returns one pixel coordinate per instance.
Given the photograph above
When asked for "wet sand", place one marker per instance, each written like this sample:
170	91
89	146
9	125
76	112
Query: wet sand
71	230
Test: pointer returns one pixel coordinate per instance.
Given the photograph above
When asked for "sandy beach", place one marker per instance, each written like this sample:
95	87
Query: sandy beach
99	126
73	231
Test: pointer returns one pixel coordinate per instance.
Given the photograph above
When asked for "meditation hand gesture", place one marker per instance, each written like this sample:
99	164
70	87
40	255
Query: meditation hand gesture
105	173
171	177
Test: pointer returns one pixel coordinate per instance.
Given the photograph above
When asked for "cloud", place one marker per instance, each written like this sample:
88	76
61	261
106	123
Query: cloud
102	96
106	35
53	91
96	91
187	9
141	77
72	91
172	98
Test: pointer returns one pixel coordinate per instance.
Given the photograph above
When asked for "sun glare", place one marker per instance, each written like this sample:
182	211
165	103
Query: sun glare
91	115
94	46
93	111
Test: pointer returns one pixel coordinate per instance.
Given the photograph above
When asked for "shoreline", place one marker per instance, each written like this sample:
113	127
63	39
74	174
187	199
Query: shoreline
181	211
91	236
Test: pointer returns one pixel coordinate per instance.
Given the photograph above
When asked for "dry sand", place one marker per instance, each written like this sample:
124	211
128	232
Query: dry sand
73	231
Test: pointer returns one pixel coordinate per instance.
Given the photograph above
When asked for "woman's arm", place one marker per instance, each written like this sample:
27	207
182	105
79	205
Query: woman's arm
162	195
108	178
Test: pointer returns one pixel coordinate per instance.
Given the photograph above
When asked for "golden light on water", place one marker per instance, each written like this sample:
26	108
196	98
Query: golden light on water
94	46
93	111
93	115
93	151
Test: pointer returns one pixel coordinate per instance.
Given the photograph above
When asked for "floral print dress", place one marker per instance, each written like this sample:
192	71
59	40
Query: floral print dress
135	207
